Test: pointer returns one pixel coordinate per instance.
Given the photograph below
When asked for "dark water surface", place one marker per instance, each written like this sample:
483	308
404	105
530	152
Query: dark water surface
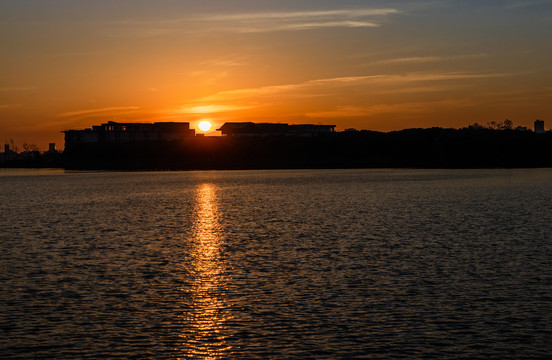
346	264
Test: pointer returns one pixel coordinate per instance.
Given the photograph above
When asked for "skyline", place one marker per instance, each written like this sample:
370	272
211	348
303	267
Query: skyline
378	65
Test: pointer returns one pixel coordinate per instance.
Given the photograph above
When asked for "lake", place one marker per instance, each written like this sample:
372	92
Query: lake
304	264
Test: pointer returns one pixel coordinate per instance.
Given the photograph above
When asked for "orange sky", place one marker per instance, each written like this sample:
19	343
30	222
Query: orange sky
379	65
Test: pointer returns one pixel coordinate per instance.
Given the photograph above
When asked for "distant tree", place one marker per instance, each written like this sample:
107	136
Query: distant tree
29	147
506	125
476	126
13	147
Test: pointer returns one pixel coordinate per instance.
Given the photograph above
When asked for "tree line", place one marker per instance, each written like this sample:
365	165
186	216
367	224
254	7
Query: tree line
470	147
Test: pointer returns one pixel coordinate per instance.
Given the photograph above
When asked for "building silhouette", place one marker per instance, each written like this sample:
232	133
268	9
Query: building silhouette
271	129
539	126
123	133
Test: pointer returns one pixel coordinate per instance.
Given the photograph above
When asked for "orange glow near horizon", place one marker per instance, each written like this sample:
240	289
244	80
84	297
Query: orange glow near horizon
250	63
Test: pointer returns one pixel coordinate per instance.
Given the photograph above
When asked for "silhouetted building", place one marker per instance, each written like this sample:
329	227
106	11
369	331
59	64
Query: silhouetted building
310	130
252	129
539	126
52	147
521	128
122	133
268	129
8	154
4	156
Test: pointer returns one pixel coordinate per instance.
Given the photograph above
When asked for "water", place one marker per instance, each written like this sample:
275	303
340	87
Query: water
337	264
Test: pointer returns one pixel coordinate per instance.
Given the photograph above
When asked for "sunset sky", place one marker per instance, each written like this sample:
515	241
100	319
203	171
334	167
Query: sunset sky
378	65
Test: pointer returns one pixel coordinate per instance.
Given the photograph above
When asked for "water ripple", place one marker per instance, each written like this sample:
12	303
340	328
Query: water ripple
277	264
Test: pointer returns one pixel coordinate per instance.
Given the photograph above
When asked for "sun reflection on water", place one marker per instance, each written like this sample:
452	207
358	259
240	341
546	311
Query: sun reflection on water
205	320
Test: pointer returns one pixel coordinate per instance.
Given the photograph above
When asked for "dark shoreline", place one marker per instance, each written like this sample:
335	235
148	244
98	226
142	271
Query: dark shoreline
434	148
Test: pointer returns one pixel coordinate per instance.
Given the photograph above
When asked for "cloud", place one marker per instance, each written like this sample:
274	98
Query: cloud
450	76
17	88
430	88
429	59
99	112
9	106
256	22
309	25
283	96
207	109
312	85
324	14
376	109
526	3
290	21
278	89
299	98
340	111
228	61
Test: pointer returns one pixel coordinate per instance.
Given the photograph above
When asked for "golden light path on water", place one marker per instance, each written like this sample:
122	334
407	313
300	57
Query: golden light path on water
205	320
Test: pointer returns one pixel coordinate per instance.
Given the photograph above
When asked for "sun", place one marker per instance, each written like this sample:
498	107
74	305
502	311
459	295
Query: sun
204	125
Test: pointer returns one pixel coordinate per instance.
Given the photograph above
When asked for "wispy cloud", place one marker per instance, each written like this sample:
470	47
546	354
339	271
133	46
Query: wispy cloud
430	88
9	106
281	96
526	3
324	14
227	61
308	25
451	76
17	88
430	59
349	80
289	21
101	112
206	109
277	89
377	109
256	22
